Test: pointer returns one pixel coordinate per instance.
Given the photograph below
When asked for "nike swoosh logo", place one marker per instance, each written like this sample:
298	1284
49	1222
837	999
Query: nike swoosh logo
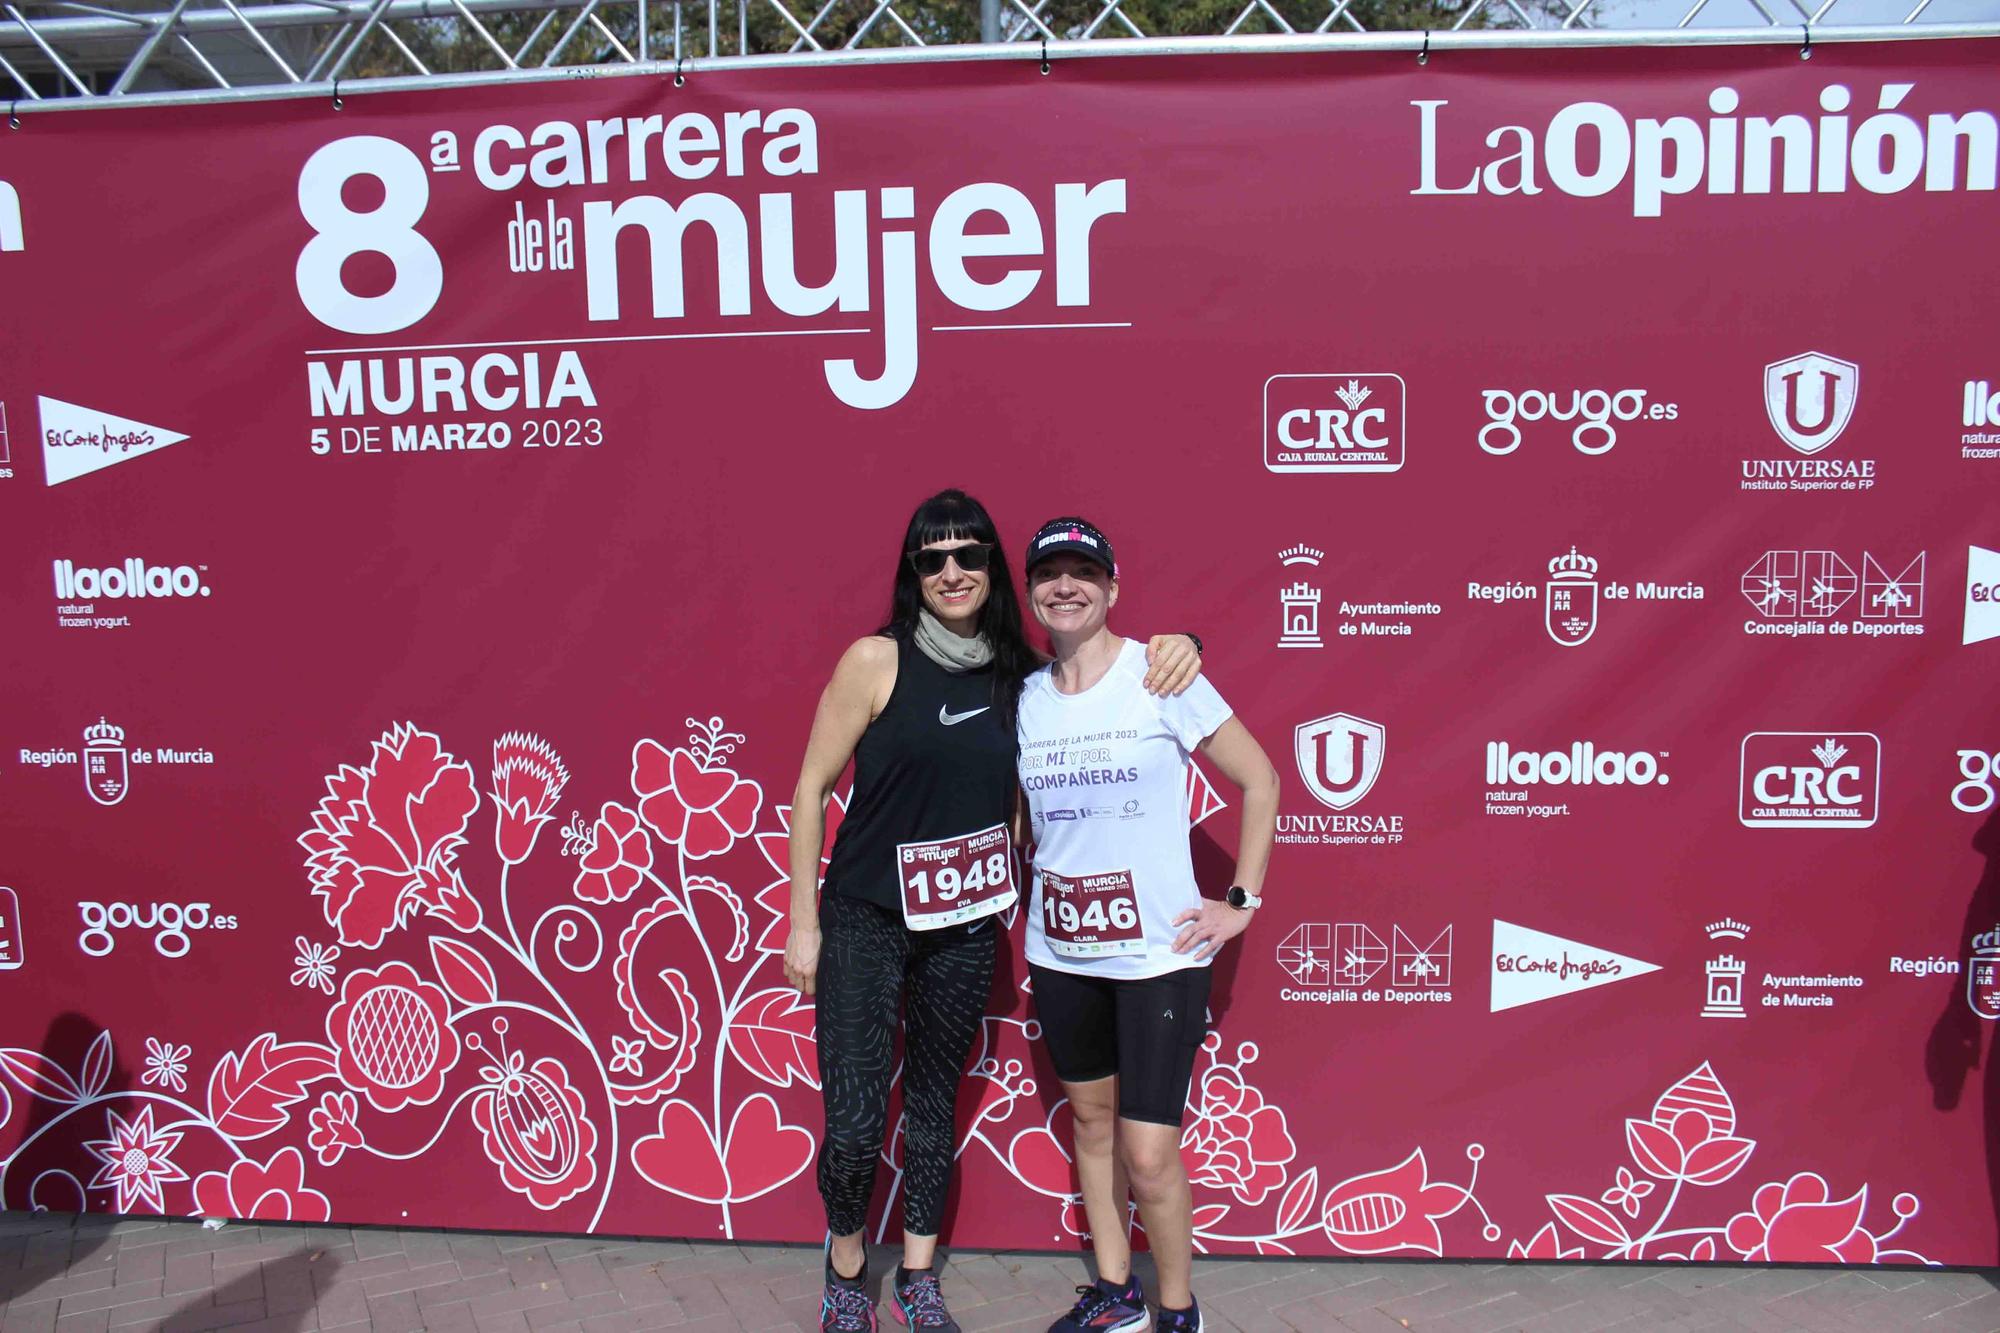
951	719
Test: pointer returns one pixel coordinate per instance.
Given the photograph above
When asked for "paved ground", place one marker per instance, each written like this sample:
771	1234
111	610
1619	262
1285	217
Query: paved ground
98	1274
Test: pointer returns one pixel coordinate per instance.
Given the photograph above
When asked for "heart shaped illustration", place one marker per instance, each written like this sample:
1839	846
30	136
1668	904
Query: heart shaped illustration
1041	1164
681	1158
699	789
764	1152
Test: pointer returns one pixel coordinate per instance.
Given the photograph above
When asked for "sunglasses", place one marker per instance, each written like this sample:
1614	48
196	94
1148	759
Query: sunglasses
929	561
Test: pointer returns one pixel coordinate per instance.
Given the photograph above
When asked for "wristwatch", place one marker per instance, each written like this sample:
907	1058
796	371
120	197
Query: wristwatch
1242	899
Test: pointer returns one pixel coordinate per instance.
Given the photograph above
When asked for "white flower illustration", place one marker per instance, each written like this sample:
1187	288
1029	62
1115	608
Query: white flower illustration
315	964
166	1065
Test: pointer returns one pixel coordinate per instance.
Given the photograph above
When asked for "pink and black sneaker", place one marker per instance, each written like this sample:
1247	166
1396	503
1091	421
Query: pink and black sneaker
920	1304
844	1306
1106	1307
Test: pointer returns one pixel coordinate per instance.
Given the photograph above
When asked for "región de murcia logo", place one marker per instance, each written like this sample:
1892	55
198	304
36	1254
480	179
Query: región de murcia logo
107	761
1572	595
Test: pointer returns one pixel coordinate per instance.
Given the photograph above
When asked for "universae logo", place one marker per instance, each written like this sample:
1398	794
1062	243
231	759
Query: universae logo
1339	757
1810	399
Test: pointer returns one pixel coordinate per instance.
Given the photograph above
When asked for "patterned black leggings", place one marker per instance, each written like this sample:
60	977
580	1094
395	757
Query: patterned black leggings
871	965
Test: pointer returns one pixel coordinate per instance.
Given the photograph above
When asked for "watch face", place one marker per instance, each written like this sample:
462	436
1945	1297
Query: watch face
1237	896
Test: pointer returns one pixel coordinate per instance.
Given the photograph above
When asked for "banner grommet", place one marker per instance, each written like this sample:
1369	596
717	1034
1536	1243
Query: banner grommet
336	95
680	79
13	121
1805	52
1424	56
1045	55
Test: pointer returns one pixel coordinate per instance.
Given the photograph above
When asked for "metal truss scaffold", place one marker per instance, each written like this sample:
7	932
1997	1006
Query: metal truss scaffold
62	54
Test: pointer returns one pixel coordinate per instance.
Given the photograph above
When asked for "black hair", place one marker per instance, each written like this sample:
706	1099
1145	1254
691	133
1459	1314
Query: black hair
949	516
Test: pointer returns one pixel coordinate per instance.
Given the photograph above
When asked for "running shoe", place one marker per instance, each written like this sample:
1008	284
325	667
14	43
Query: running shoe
920	1305
844	1306
1104	1307
1181	1321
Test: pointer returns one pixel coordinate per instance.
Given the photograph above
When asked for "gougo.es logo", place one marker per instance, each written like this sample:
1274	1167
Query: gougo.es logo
1977	768
169	922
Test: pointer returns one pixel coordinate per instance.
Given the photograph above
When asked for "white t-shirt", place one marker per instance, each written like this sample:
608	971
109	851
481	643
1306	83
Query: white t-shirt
1106	776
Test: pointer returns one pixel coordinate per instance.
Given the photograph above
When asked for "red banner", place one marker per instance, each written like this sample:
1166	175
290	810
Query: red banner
430	523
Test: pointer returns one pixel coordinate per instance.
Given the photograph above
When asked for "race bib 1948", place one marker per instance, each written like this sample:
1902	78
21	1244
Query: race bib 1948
954	880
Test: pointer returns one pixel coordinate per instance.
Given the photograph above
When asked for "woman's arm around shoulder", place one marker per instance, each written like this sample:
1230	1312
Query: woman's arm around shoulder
1172	663
860	688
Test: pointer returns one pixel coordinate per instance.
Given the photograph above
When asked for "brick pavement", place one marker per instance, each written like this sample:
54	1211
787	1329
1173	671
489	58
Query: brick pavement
64	1275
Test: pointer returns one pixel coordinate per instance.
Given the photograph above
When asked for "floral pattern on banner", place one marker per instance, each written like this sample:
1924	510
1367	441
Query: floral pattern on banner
1689	1142
450	1021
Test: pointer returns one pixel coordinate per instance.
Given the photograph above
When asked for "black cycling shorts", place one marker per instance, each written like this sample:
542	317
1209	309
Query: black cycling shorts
1145	1031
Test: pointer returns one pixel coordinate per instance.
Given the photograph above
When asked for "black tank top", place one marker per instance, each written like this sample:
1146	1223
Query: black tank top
937	762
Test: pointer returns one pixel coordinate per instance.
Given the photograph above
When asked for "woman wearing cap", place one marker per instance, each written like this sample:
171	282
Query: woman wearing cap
1119	936
925	707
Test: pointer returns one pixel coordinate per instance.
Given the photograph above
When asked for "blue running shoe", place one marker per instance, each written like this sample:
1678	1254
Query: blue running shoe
844	1306
920	1304
1181	1321
1105	1307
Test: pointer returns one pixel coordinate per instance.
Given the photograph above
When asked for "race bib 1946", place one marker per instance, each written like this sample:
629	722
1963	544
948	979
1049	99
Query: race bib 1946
1092	916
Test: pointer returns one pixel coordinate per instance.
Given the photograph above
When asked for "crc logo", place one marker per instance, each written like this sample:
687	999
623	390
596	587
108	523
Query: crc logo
1593	411
1810	399
1974	795
1334	423
1816	585
1810	779
1339	757
170	923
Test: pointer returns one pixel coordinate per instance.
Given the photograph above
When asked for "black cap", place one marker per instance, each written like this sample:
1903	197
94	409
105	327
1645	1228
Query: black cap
1073	535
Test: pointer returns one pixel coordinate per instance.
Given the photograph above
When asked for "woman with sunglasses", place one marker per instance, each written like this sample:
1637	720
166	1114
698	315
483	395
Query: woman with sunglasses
925	707
1119	935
